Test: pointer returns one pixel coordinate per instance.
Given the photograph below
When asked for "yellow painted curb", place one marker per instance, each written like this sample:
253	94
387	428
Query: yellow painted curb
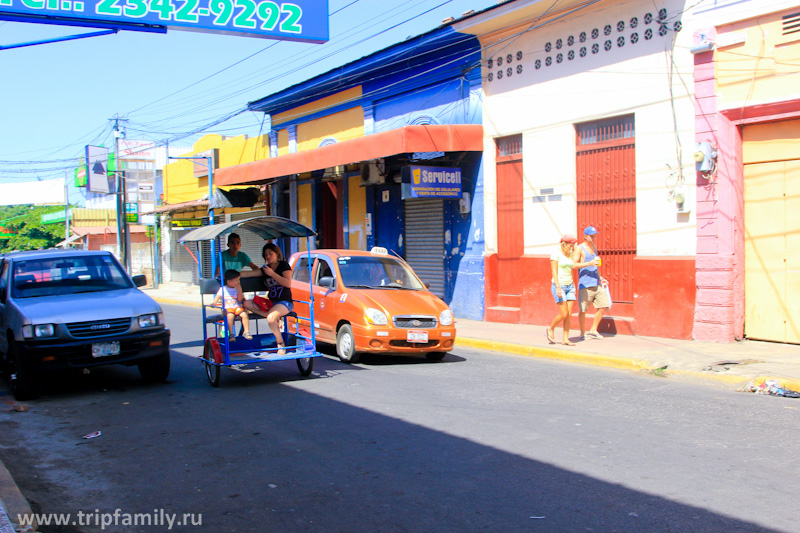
170	301
555	353
614	362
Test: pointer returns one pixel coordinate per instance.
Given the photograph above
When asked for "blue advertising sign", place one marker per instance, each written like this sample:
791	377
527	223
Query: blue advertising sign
431	182
300	20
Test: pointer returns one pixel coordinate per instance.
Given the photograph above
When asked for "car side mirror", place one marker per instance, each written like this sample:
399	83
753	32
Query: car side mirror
326	281
140	280
428	285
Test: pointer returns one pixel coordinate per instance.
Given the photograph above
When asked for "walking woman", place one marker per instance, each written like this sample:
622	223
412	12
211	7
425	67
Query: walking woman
277	276
563	286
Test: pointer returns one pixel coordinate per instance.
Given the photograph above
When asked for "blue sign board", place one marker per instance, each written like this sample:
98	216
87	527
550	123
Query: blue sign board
431	182
300	20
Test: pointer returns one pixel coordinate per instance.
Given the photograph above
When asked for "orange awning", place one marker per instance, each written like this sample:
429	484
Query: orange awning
409	139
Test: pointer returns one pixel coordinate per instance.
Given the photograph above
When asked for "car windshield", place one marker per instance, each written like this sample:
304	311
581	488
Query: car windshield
67	275
377	272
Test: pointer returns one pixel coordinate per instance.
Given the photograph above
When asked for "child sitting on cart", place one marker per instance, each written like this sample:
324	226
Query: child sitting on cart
232	297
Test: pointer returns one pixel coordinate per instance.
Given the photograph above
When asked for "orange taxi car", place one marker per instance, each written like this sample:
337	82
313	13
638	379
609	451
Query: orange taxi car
371	302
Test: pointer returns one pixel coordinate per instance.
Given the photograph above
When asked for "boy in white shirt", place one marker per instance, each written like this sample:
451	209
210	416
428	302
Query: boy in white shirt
231	296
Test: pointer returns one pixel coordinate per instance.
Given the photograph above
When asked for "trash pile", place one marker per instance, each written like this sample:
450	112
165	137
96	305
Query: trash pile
771	387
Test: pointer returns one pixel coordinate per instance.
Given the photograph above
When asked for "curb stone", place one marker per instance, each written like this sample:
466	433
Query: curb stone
12	503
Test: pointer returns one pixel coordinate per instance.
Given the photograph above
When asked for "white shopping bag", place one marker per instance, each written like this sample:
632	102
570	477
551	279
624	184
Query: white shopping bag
608	292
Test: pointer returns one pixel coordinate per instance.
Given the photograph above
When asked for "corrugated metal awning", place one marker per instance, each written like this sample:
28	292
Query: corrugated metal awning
267	227
178	207
409	139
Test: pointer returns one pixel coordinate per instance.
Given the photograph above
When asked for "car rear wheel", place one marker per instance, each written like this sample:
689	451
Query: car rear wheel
155	369
23	379
346	345
435	356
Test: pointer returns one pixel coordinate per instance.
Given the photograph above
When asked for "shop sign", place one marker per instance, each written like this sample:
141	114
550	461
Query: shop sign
431	182
186	223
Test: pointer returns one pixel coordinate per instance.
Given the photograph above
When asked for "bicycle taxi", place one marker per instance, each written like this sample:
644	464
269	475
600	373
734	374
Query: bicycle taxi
218	350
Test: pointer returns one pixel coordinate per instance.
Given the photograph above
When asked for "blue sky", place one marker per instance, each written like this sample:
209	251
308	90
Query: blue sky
56	98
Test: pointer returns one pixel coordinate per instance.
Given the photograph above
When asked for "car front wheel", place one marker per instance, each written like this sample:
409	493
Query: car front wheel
346	345
23	379
155	369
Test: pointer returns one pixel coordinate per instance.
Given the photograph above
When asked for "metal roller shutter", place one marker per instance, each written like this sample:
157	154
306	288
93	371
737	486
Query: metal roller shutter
424	241
182	264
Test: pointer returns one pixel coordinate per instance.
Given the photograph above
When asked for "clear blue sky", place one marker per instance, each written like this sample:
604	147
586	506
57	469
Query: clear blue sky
56	98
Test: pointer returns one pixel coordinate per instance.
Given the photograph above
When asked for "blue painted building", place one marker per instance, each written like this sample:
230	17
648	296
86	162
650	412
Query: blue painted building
343	147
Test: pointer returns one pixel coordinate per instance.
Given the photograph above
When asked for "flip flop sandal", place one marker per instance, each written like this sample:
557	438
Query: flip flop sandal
551	337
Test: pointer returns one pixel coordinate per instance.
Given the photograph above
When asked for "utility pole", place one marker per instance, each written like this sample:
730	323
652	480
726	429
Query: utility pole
66	207
123	234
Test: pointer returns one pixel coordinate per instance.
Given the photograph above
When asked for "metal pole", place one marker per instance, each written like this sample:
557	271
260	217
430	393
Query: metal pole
125	225
66	208
210	161
120	199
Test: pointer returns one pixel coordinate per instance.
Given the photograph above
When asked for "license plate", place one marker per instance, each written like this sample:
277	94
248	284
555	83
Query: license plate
103	349
417	336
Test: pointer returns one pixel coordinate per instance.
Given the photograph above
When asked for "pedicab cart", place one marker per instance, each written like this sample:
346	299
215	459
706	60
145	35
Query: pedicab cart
218	349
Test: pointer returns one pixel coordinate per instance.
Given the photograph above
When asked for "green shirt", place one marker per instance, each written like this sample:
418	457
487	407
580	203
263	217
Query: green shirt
237	262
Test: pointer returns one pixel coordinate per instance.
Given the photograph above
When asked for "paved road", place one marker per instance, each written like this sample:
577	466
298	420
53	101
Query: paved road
479	442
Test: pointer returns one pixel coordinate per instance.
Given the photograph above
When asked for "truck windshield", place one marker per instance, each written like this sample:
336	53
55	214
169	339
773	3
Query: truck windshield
58	276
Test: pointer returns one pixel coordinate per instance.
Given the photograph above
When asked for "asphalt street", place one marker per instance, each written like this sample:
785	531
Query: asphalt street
481	441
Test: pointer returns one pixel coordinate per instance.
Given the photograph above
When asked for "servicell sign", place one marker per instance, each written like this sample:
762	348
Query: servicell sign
431	182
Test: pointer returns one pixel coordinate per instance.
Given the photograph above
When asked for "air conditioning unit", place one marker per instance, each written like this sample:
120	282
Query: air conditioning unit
373	172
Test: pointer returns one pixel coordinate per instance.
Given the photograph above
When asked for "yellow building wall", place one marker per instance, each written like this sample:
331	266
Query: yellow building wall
180	185
755	62
305	209
357	211
341	126
317	105
283	142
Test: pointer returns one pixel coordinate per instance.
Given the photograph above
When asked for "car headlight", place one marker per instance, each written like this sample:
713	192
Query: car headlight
148	321
375	317
38	331
446	318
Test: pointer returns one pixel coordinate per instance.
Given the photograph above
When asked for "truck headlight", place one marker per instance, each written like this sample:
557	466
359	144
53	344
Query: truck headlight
38	331
446	318
148	321
375	317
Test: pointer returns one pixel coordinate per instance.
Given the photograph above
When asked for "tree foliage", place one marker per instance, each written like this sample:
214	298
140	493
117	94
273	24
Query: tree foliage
30	234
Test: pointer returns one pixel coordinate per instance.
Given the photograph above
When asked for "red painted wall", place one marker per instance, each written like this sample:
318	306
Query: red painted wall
663	306
664	296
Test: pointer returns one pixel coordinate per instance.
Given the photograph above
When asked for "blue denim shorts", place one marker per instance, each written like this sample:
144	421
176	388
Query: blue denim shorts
287	304
567	292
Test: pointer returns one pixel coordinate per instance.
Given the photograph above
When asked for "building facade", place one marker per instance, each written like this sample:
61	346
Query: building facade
747	116
343	151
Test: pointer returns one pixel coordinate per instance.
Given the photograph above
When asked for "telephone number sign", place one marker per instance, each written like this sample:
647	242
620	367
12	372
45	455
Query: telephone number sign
301	20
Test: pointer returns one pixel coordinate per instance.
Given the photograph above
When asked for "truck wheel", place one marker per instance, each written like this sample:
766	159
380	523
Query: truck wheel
23	380
155	369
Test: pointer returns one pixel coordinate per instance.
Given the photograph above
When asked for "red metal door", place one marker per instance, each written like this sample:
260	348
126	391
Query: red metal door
606	194
510	220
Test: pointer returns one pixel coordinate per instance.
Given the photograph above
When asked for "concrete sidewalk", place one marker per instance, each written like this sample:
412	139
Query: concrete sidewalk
732	365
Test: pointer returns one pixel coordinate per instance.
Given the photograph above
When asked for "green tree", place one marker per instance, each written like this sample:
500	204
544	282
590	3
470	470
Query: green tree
31	234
